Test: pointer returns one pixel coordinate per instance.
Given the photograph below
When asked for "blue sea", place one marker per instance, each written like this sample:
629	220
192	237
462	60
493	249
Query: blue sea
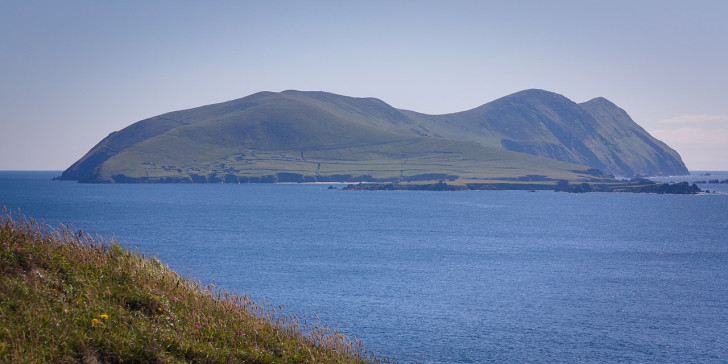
438	277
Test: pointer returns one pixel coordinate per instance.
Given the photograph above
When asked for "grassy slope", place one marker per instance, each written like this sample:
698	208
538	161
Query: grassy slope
65	298
397	159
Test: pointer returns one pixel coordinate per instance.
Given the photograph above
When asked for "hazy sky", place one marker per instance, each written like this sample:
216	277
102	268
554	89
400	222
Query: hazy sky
71	72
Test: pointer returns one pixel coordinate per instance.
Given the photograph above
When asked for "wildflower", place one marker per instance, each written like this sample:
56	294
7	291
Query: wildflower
240	332
159	309
95	322
104	316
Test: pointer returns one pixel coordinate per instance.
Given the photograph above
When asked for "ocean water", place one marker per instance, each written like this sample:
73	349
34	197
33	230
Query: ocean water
438	277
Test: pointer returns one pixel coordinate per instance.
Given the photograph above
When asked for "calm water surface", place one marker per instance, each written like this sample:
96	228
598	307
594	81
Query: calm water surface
450	277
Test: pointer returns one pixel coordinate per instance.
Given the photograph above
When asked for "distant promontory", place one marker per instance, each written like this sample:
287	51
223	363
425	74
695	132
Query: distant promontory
297	136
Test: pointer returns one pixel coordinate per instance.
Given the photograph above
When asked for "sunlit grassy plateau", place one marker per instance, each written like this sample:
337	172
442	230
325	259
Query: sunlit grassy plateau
73	298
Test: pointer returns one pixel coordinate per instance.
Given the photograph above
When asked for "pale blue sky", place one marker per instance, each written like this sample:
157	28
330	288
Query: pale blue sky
71	72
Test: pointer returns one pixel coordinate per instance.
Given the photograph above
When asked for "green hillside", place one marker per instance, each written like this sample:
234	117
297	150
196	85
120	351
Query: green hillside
295	136
70	298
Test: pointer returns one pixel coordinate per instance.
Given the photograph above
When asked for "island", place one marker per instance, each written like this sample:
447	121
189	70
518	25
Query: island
532	139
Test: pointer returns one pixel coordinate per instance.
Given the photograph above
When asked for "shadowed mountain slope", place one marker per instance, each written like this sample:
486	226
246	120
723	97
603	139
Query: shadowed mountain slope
316	136
596	133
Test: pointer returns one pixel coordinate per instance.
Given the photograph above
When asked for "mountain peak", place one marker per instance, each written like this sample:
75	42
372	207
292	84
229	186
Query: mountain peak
535	92
601	102
534	95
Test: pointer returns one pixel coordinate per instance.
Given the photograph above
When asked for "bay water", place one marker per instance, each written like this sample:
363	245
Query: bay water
437	277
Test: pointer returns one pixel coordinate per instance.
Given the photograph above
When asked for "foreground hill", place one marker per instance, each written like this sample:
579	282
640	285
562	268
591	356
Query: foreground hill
295	136
73	299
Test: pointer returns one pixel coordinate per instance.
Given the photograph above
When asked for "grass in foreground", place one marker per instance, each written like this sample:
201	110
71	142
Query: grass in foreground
70	298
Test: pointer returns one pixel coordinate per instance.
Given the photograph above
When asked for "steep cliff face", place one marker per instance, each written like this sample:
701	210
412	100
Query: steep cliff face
596	133
316	134
630	148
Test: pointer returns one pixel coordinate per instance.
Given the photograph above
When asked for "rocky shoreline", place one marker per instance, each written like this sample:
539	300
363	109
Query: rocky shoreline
637	185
